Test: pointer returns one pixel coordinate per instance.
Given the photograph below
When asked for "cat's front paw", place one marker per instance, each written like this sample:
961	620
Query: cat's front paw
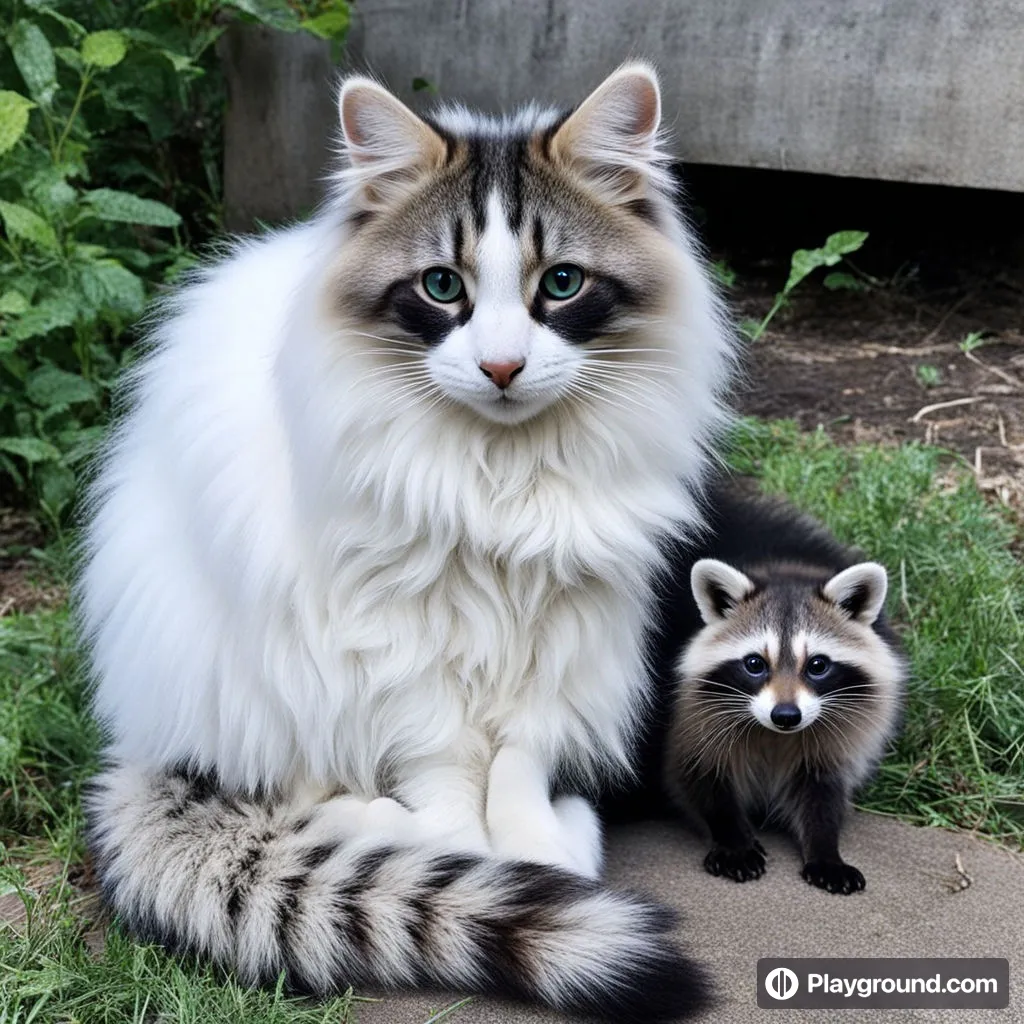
840	878
741	865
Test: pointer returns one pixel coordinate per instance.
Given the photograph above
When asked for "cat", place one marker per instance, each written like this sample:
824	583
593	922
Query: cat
369	558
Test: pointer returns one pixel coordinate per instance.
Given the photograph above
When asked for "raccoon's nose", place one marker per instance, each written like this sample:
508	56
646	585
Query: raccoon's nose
786	716
502	373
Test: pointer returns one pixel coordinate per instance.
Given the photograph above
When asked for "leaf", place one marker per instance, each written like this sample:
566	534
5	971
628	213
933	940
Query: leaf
71	57
47	315
804	262
274	13
104	49
13	303
839	280
56	487
423	85
34	56
106	283
844	242
21	222
331	24
836	246
50	190
14	110
52	388
75	30
31	449
180	61
126	208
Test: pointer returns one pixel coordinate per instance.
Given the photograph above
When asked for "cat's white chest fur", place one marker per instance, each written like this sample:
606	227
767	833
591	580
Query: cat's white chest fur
291	579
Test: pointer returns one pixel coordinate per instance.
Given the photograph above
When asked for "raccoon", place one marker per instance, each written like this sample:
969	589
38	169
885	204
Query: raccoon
780	684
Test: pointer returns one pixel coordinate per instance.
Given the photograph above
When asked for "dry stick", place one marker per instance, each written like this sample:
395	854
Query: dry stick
916	418
1008	377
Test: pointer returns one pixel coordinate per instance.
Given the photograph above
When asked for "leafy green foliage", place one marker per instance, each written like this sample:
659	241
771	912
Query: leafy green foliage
109	177
803	263
928	376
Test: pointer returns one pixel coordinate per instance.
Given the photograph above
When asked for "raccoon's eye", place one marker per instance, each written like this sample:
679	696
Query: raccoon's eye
755	665
561	281
818	665
443	285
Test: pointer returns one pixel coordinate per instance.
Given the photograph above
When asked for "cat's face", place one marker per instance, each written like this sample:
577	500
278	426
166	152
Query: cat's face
506	265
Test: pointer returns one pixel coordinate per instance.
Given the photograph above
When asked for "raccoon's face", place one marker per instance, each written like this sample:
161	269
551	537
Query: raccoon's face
789	651
509	265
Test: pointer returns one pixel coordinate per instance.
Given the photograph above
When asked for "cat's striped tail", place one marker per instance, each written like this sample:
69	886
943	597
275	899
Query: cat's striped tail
262	891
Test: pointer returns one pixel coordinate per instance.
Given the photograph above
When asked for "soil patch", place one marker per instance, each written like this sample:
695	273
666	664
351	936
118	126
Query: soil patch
24	586
885	366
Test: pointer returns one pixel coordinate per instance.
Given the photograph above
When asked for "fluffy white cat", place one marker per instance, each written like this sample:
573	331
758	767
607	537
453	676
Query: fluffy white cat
369	562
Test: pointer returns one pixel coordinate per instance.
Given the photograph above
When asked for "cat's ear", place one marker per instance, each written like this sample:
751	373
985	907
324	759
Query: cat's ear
718	588
859	591
611	139
389	148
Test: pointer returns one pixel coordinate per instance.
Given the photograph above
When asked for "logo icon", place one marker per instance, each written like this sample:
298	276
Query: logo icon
782	983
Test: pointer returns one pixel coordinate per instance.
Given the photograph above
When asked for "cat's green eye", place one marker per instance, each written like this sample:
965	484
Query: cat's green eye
443	285
561	281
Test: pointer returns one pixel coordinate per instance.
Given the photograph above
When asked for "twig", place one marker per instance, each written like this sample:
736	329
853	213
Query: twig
1002	374
916	418
964	880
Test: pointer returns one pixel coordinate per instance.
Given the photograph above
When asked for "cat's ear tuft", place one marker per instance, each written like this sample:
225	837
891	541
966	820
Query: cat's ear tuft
611	139
718	588
859	591
387	146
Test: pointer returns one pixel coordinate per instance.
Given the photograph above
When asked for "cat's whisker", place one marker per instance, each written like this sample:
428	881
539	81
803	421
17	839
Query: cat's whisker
403	342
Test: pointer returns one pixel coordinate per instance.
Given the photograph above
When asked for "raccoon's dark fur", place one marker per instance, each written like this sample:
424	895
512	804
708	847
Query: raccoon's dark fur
778	685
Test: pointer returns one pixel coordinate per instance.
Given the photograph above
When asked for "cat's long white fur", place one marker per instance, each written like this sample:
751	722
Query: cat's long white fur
299	582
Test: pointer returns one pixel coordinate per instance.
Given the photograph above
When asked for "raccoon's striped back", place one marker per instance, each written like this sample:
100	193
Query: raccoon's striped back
264	890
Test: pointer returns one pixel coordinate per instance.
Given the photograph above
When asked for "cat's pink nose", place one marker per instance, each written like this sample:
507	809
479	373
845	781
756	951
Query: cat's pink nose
502	373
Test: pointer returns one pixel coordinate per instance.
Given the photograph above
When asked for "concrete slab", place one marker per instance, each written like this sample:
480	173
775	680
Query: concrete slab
908	910
920	90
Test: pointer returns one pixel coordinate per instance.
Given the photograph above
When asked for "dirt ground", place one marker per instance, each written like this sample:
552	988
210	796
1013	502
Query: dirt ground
849	361
852	363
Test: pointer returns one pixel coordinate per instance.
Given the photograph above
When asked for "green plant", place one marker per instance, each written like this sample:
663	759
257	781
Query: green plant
973	340
109	175
928	376
805	262
724	274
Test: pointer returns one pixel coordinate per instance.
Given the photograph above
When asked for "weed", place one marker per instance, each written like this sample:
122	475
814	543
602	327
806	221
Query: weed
804	262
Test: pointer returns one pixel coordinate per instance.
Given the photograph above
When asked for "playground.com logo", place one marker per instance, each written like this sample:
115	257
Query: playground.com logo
886	983
782	983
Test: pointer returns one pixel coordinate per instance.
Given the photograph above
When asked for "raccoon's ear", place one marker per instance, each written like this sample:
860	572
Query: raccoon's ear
718	588
611	139
388	147
859	591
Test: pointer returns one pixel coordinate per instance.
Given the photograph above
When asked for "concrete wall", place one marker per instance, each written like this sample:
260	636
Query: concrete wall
911	90
278	124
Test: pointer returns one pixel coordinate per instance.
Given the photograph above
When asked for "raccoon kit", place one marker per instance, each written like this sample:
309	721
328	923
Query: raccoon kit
788	690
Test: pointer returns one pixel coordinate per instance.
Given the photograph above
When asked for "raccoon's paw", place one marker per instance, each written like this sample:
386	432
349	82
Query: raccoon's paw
740	865
841	879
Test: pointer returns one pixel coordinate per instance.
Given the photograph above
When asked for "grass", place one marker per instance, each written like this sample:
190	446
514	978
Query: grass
957	597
